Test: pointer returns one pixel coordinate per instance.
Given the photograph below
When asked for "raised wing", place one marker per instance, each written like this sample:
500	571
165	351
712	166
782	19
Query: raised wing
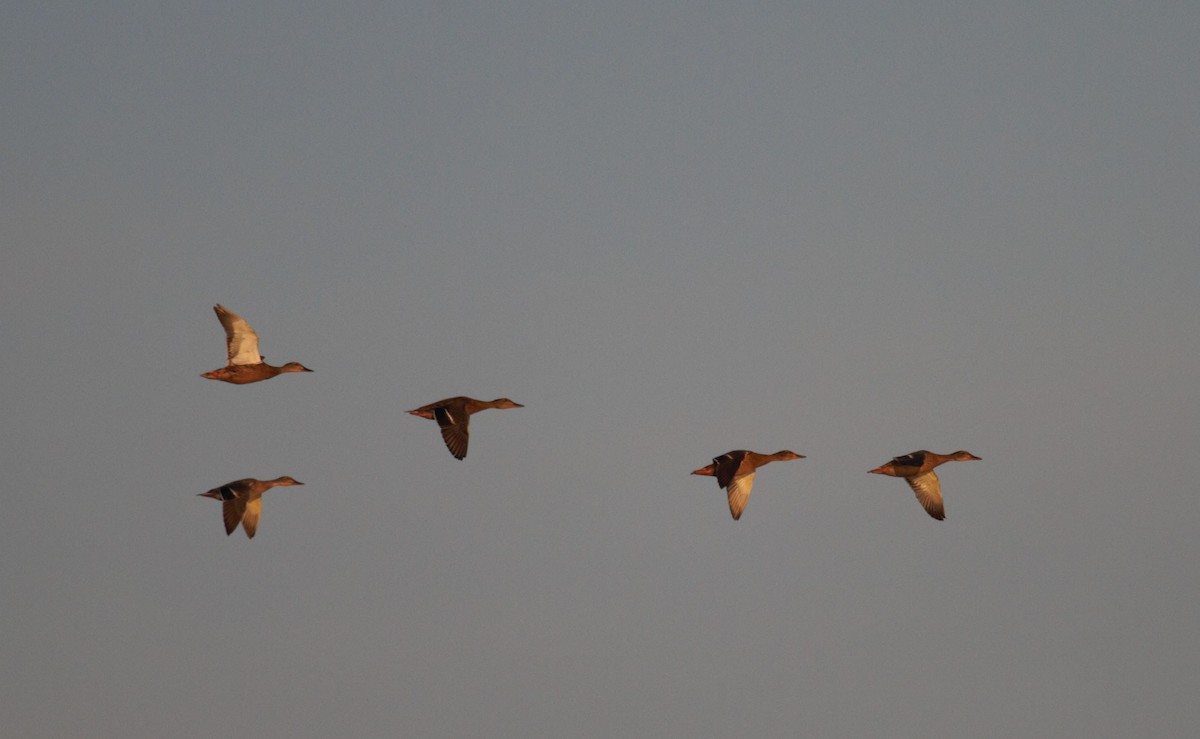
241	343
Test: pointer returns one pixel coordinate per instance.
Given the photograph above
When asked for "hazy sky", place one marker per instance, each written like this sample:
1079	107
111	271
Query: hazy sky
670	230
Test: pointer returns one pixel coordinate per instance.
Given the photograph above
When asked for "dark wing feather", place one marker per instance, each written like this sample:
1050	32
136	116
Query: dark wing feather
233	510
916	459
728	466
455	424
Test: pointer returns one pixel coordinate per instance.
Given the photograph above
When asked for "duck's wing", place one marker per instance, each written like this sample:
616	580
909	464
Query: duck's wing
929	493
915	459
427	411
455	423
241	343
728	466
739	493
250	520
233	509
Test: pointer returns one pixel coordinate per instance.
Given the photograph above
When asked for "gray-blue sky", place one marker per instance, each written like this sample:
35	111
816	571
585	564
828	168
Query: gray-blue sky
853	231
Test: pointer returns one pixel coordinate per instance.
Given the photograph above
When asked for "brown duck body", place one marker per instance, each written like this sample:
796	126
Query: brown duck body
735	474
917	471
454	417
244	374
245	365
241	501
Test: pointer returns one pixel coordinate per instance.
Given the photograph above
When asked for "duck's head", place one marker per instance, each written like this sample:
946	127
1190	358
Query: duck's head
286	480
962	456
505	403
294	367
786	454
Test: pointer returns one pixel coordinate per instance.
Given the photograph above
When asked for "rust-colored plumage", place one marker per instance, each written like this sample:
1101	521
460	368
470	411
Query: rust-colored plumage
241	501
917	471
245	364
735	474
454	417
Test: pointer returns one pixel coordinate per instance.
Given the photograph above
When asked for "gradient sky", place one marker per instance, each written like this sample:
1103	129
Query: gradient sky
670	230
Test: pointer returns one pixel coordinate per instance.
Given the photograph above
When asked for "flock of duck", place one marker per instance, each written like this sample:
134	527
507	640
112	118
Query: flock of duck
241	500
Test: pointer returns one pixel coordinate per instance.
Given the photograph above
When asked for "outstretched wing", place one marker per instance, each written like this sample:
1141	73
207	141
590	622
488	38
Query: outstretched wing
929	492
739	493
241	343
233	510
250	520
728	466
456	432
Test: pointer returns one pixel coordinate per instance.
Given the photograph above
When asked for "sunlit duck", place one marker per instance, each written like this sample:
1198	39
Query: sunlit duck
245	364
454	416
917	471
241	501
735	473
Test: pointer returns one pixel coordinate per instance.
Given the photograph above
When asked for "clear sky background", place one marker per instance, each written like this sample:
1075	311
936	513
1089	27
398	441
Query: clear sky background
670	230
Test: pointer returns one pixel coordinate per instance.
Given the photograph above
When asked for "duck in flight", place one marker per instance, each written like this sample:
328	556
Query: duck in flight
735	473
917	471
241	501
245	364
454	417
